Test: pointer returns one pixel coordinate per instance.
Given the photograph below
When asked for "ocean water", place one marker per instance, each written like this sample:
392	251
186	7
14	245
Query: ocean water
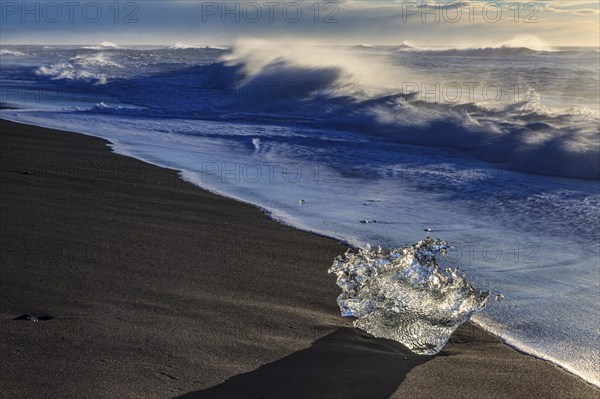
497	150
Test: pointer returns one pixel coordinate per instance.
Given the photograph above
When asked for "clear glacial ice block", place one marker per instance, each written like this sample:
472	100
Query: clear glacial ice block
402	294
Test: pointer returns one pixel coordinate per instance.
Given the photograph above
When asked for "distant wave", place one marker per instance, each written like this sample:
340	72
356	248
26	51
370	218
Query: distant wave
183	46
64	71
102	46
488	51
402	47
523	44
96	60
90	68
501	50
364	46
526	41
109	44
11	52
188	46
405	46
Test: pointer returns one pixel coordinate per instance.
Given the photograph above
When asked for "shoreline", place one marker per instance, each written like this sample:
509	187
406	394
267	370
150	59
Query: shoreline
177	257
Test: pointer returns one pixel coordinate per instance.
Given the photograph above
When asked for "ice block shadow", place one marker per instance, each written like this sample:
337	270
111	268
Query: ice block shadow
347	363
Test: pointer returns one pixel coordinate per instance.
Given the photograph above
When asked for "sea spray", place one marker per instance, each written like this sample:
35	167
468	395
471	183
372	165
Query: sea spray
403	294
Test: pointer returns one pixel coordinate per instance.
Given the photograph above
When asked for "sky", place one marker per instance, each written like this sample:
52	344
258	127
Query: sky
441	22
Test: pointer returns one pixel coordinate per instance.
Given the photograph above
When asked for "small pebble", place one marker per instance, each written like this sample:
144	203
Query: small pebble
26	172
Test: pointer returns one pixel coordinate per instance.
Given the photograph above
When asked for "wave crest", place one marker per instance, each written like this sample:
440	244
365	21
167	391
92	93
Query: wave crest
11	52
190	46
87	68
102	46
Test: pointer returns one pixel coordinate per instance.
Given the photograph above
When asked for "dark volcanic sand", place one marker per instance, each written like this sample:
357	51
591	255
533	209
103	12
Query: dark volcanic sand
152	287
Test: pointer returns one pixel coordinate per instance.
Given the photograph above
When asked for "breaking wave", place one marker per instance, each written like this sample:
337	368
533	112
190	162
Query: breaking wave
356	94
190	46
11	52
350	92
523	44
102	46
527	41
90	68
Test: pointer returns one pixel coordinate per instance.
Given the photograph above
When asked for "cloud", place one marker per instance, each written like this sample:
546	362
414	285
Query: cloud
442	22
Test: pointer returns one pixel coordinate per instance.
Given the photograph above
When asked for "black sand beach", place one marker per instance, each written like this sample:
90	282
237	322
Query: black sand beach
150	287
